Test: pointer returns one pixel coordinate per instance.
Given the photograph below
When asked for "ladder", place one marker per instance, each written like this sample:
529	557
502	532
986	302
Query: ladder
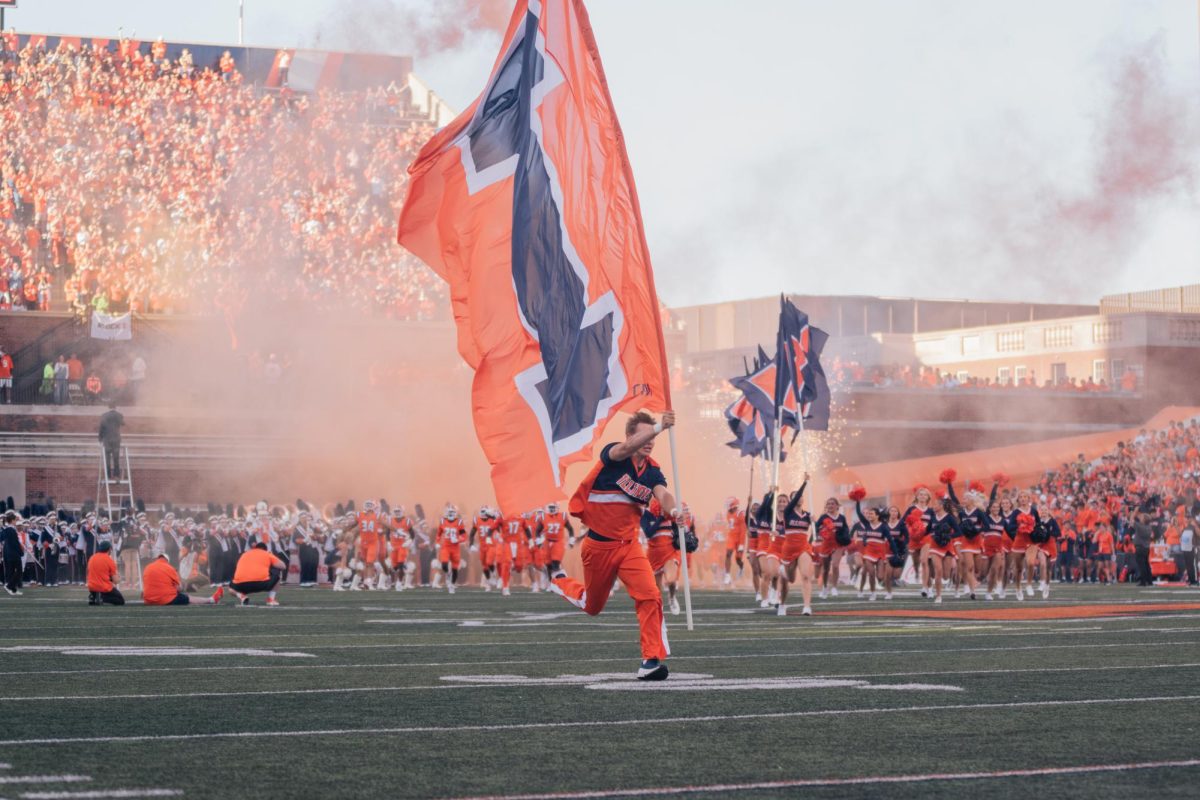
112	492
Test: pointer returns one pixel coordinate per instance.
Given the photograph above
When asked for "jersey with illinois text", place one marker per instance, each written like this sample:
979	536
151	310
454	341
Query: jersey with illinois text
611	498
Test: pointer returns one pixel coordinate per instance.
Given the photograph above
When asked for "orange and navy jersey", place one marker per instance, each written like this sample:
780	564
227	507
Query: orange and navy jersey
611	498
369	526
553	525
735	523
451	531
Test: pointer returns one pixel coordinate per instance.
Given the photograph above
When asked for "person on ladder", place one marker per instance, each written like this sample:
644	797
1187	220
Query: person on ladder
111	423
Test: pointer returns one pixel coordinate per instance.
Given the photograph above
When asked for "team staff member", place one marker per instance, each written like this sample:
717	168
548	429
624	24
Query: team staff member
258	570
610	502
101	573
10	540
160	586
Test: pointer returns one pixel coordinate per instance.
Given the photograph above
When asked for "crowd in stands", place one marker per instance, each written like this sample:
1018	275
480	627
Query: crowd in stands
131	181
1153	479
908	376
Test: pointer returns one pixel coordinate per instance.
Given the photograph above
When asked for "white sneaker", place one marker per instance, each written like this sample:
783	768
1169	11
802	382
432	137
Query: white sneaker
872	598
758	597
450	588
338	587
833	591
773	596
860	594
504	592
822	594
1029	590
1001	593
674	606
487	586
728	579
806	612
399	586
958	593
764	604
987	596
781	610
1020	596
937	601
887	596
1045	591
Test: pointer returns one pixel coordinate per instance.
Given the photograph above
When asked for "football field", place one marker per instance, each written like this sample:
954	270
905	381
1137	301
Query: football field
421	694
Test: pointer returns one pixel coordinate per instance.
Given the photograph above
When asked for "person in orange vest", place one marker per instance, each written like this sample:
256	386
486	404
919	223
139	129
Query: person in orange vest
92	388
101	578
258	570
161	586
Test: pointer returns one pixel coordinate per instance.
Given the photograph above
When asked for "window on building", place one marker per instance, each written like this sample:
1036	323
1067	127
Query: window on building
1184	330
1107	331
1098	366
1010	341
1117	369
1058	373
1058	337
970	345
963	376
1003	375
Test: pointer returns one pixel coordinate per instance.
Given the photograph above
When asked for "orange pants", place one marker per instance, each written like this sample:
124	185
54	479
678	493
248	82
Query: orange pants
603	564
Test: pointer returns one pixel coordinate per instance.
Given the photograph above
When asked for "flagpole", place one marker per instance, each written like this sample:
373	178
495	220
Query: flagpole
683	556
778	443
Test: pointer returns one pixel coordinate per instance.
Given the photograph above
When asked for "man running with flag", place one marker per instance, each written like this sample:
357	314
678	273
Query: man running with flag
610	502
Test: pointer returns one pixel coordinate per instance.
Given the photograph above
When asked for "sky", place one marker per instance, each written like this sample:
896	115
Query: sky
1024	150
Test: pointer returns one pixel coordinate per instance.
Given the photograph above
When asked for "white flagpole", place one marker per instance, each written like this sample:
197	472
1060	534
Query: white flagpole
683	556
775	473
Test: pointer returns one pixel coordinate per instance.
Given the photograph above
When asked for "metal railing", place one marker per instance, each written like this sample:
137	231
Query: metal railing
146	450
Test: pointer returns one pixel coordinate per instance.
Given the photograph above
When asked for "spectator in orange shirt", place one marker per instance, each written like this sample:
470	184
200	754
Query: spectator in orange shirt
161	584
257	571
101	574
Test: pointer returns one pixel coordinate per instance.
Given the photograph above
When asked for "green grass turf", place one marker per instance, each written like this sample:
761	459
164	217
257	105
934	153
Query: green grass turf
53	695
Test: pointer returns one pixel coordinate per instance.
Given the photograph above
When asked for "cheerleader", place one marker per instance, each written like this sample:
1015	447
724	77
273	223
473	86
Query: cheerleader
896	535
873	532
752	548
796	558
1022	522
939	544
972	519
918	518
834	533
770	547
1045	540
995	553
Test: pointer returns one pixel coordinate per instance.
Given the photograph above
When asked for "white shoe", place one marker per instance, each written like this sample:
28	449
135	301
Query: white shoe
887	596
764	604
1020	596
674	606
822	594
487	586
338	587
1001	593
758	597
806	611
860	594
833	591
504	592
533	590
958	593
1029	590
1045	591
450	588
987	596
399	586
773	596
781	610
872	597
937	601
728	579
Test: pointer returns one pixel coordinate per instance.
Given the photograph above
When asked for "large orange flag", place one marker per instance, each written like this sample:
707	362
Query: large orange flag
525	204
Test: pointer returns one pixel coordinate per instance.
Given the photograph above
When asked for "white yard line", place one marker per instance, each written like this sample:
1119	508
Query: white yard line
524	683
98	794
662	791
596	660
11	779
525	726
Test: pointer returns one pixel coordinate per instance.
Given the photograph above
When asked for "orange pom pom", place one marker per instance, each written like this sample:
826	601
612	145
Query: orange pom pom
1000	478
857	493
976	486
947	476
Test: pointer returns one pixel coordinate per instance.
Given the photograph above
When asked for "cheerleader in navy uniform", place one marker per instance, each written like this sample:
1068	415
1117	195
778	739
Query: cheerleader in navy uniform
1021	524
896	535
940	545
874	539
834	534
918	518
972	519
796	558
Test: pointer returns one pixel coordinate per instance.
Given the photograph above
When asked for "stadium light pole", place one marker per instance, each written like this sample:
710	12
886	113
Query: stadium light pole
241	22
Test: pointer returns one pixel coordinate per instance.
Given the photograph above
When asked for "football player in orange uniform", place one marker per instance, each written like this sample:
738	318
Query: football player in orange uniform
370	526
485	530
556	530
400	538
735	538
451	535
513	534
